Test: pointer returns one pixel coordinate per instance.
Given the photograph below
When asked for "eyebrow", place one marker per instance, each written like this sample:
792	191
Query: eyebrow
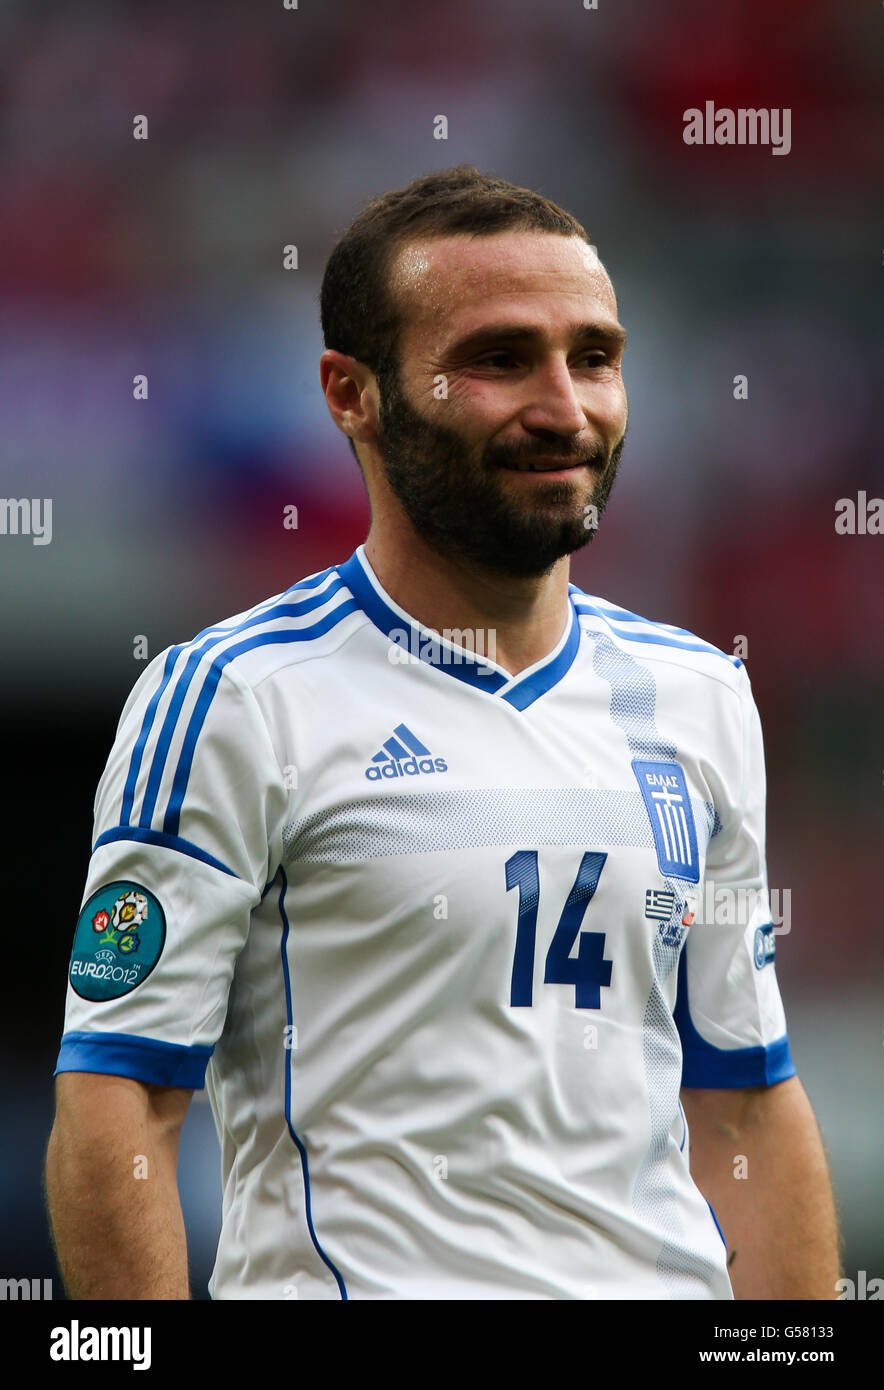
612	334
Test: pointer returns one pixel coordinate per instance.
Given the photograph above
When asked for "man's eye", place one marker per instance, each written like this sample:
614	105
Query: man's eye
495	357
592	359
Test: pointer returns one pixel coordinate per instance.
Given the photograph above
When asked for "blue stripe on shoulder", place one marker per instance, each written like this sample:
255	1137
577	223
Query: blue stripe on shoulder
210	685
625	615
666	636
167	733
214	636
140	742
312	582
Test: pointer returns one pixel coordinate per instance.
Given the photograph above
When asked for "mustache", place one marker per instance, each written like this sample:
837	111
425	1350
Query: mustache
596	455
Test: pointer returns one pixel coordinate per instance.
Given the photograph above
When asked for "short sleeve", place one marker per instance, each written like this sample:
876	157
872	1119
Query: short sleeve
729	1012
187	830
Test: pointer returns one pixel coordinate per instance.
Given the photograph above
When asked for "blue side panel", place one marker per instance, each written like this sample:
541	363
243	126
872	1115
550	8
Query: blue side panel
717	1226
144	1059
288	1090
718	1068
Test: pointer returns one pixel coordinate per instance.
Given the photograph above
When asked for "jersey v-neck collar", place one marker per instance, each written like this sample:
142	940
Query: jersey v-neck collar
421	643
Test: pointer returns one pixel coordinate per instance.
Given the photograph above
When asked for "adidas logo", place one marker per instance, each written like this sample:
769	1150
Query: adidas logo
403	755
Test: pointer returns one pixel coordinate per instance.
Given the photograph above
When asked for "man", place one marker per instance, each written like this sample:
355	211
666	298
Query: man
411	858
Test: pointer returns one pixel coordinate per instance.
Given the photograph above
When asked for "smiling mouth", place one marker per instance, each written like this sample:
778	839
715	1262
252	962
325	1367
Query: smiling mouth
545	465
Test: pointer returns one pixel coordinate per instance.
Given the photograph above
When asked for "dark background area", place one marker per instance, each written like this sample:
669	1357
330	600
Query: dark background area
270	127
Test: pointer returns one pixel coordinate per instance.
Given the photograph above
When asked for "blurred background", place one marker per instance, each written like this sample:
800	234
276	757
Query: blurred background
270	127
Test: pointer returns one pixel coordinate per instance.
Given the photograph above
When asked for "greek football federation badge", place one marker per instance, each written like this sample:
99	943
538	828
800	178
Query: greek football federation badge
118	940
665	794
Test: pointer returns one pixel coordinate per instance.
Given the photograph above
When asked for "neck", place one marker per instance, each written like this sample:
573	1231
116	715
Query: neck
526	615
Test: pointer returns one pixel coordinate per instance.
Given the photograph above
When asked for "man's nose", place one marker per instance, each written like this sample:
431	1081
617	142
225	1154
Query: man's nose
553	405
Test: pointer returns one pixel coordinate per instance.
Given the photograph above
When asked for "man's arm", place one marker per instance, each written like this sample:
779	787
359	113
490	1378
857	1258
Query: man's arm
779	1219
111	1187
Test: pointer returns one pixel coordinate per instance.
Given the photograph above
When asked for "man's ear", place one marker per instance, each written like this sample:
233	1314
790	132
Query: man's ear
351	394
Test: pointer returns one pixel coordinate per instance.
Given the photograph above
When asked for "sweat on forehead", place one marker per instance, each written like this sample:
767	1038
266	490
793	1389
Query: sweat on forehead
428	276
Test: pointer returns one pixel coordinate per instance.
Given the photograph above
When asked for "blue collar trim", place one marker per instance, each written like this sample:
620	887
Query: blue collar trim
423	644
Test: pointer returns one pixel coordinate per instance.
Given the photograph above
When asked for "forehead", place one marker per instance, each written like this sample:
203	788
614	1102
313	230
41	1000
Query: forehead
446	286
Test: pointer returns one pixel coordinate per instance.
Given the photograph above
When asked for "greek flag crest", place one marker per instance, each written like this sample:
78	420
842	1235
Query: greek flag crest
665	794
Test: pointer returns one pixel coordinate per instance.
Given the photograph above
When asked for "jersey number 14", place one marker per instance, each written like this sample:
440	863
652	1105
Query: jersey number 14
588	971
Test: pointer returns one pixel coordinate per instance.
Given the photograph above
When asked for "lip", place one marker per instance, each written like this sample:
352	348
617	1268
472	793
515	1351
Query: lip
558	466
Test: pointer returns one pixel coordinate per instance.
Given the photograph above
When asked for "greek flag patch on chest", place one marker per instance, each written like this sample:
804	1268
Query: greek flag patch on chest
665	793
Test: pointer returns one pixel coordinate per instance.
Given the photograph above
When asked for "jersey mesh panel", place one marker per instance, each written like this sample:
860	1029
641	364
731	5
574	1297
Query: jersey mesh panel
633	710
421	822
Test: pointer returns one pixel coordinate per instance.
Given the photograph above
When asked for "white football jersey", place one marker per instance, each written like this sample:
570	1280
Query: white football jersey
436	939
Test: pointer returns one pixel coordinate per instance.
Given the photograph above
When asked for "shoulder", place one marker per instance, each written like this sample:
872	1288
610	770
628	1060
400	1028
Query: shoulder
675	653
299	624
211	703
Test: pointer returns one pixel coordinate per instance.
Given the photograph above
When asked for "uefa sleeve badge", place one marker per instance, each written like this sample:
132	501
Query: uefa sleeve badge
118	940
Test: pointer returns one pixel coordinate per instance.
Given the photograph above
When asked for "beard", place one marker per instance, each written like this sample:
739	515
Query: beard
462	508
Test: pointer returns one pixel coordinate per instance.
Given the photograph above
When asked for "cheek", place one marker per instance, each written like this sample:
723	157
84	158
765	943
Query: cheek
436	395
607	403
479	407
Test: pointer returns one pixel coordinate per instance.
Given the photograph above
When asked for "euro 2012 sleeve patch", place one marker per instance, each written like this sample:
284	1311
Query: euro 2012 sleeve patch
119	938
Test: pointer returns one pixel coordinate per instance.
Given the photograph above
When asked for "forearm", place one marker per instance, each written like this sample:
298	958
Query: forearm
757	1157
114	1207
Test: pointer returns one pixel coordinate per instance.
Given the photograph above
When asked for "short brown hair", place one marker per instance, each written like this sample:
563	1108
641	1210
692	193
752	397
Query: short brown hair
358	313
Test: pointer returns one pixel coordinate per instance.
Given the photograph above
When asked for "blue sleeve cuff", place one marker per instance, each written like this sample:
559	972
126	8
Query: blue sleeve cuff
718	1068
144	1059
